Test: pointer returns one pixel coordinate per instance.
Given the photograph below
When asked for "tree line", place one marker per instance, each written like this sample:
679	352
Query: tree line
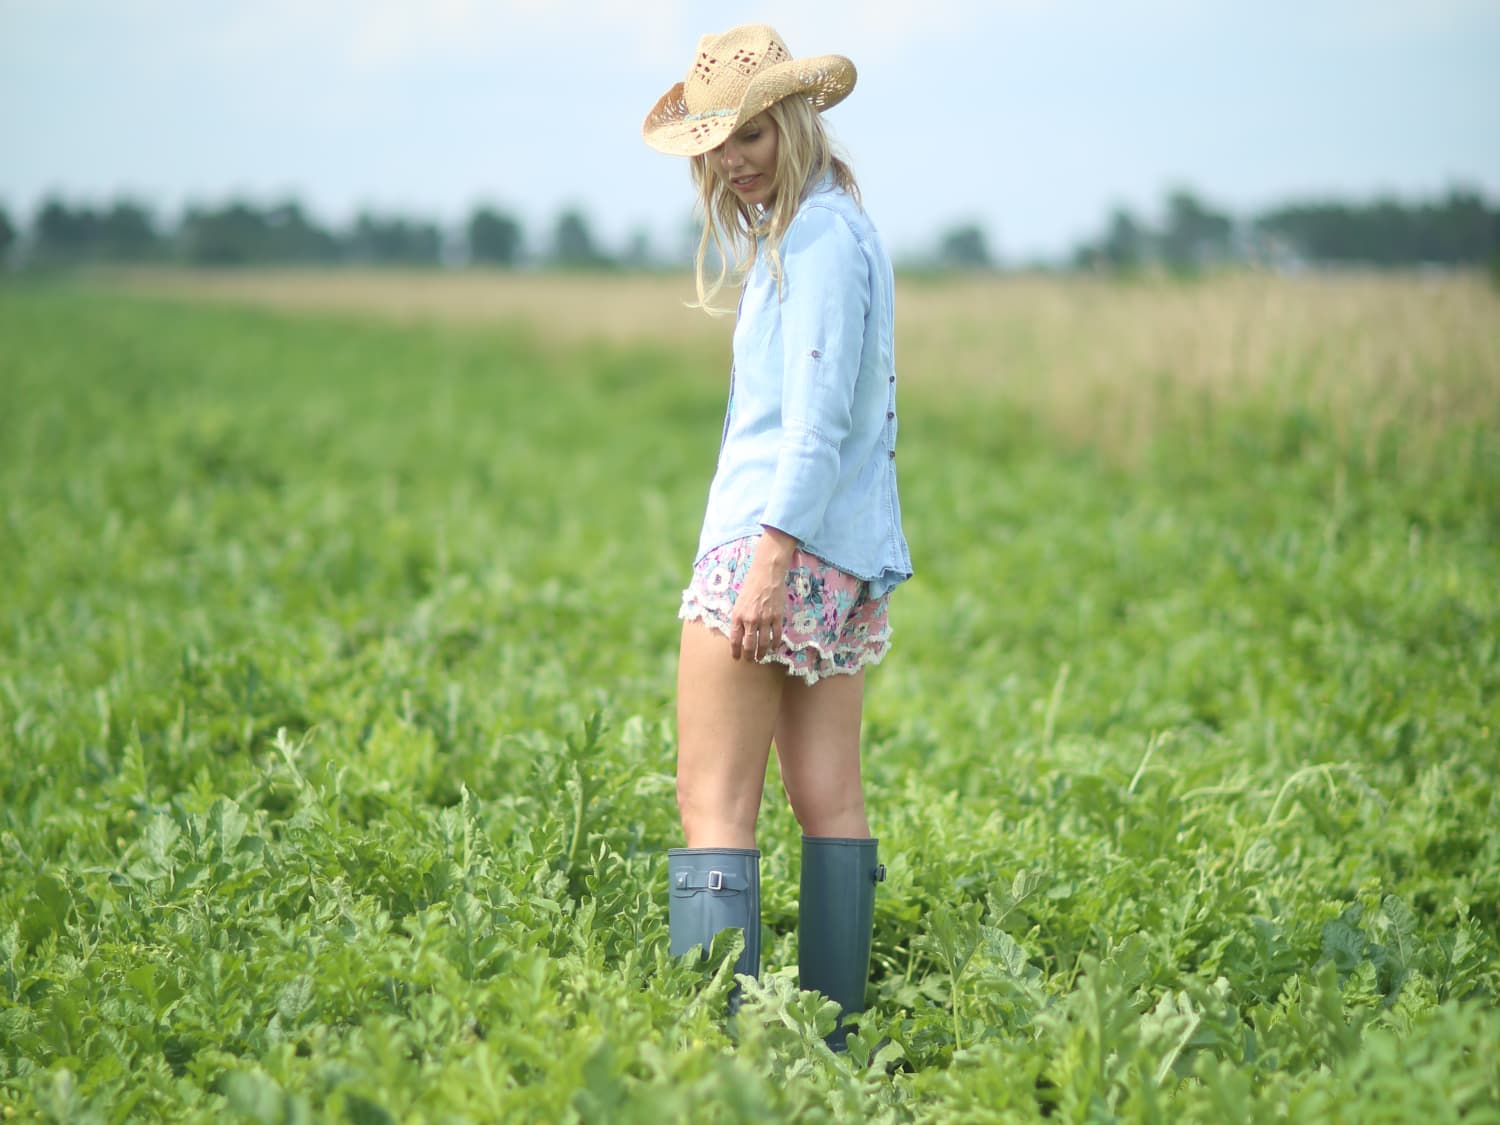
1458	229
241	233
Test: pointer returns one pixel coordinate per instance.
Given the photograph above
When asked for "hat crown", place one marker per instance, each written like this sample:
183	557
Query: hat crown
725	64
735	76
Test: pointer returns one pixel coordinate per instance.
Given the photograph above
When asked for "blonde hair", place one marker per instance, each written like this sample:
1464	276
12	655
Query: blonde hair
804	154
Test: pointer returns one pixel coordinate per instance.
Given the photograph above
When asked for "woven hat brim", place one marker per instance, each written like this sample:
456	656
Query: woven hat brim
824	80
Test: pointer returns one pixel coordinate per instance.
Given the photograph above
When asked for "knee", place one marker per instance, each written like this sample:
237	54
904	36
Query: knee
835	811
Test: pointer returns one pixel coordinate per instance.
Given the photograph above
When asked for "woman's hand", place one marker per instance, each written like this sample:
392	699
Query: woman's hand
760	608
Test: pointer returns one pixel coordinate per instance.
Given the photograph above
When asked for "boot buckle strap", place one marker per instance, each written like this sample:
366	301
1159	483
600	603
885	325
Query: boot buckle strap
713	880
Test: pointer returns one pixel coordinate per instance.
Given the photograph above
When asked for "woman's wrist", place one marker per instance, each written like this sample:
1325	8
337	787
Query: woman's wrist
777	546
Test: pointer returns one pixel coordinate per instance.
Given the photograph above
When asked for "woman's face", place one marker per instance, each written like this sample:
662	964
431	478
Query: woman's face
746	162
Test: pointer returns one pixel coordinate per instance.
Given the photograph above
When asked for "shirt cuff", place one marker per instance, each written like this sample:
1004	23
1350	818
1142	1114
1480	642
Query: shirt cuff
807	470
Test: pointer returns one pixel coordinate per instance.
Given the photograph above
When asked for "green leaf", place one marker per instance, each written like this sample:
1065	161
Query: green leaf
1343	945
226	826
46	910
1008	952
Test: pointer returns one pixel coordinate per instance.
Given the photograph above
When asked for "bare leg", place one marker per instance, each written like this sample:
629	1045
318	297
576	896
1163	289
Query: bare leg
817	744
726	712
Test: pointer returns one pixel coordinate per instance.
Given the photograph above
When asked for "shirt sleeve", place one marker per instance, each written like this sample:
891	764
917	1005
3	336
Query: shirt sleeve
825	299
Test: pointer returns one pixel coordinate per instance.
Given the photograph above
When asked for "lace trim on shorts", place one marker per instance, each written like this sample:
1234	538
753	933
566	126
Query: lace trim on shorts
832	626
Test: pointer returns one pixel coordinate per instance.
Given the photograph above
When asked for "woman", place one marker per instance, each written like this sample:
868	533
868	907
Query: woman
801	543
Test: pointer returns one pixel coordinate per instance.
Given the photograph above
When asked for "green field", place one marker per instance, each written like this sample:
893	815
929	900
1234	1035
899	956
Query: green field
336	663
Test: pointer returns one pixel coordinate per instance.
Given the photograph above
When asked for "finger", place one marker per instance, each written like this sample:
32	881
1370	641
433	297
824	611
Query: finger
736	639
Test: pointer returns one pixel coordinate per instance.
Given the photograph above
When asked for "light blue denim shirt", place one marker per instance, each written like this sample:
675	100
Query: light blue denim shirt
809	443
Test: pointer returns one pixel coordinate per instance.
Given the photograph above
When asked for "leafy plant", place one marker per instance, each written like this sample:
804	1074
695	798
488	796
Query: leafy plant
336	749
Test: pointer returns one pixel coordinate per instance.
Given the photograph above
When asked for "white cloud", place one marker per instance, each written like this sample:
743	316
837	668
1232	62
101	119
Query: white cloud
873	30
380	35
372	36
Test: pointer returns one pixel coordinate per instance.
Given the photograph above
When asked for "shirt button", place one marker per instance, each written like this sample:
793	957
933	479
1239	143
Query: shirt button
893	455
893	378
889	414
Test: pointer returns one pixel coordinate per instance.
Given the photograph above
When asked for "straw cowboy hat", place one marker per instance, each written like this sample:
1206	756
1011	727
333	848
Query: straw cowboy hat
734	77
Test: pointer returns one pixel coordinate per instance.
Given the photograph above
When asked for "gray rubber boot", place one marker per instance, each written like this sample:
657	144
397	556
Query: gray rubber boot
836	919
713	889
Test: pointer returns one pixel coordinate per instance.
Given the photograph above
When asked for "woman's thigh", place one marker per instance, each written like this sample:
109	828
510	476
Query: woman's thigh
817	746
726	714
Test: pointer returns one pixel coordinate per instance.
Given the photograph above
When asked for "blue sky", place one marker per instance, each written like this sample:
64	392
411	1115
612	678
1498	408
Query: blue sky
1032	117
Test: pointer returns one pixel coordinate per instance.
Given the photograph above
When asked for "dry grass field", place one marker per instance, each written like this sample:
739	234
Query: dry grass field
1110	364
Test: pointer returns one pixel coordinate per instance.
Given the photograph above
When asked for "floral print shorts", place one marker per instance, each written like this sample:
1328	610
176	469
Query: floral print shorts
832	626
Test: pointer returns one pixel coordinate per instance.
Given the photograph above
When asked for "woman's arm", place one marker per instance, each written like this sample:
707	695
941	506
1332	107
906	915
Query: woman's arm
826	294
824	306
